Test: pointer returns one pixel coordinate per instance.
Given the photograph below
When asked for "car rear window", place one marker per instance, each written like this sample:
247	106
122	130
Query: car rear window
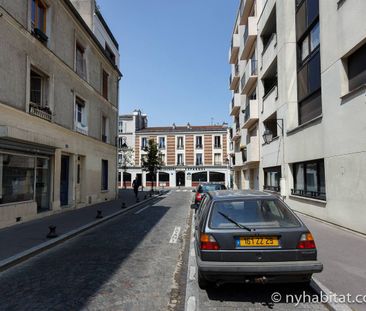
253	214
207	188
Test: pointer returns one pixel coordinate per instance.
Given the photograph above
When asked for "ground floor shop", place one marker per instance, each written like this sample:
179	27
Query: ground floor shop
174	176
46	169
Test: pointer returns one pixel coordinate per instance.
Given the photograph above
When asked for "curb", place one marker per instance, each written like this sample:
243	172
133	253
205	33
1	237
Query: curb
24	255
321	289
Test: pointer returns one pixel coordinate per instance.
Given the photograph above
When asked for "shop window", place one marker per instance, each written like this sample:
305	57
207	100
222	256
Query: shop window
17	175
272	176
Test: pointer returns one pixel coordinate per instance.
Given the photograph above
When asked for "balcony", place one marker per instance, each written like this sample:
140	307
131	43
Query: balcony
249	77
244	9
235	104
270	102
80	128
238	159
236	134
249	37
253	150
234	77
234	48
269	53
40	112
251	113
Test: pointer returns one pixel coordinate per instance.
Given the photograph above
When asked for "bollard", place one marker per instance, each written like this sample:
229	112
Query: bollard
52	234
99	214
123	205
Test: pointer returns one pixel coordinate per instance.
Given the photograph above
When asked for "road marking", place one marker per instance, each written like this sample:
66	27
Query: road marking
191	303
141	210
175	235
192	273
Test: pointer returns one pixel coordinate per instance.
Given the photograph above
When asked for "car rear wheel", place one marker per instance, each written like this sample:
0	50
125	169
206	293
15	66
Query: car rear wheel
202	281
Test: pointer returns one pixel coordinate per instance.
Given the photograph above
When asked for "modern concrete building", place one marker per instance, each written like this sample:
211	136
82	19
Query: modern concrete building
58	108
310	104
190	154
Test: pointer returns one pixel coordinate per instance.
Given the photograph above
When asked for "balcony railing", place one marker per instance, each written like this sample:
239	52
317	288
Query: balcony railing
309	194
40	112
218	163
272	188
180	163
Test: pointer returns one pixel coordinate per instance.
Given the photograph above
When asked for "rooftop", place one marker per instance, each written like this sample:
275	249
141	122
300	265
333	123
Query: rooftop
180	129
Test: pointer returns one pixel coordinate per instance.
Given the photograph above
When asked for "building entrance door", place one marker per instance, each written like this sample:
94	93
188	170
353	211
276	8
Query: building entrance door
64	183
180	179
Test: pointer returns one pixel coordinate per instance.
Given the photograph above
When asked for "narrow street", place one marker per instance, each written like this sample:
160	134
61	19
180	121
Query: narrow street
138	261
129	263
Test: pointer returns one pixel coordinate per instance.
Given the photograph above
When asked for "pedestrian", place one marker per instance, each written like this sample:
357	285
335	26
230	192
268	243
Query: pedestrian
135	185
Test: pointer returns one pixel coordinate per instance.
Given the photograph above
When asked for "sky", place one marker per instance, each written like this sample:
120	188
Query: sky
174	58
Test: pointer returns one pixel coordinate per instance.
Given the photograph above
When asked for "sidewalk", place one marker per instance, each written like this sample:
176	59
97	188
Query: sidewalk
343	254
24	236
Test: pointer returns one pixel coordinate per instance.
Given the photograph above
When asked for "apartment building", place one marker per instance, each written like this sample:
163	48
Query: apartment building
58	108
128	124
190	154
310	94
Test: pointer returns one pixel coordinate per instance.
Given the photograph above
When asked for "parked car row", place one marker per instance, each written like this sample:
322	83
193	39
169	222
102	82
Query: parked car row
250	237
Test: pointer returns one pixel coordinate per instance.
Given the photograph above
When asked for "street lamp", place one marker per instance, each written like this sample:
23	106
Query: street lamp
268	135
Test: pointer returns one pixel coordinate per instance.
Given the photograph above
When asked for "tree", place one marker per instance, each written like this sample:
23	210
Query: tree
152	162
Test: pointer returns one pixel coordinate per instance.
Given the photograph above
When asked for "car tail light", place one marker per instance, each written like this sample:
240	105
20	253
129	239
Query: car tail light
208	242
306	241
198	196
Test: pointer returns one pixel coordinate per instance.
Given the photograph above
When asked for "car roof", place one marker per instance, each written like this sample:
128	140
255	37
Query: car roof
220	195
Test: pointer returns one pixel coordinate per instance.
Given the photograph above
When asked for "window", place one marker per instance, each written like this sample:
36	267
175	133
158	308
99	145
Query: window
162	158
120	126
120	158
38	20
80	61
17	175
104	175
271	213
217	159
180	159
308	67
271	124
105	78
199	159
217	142
110	54
161	142
357	68
272	176
143	142
105	129
309	179
80	116
36	88
180	144
198	142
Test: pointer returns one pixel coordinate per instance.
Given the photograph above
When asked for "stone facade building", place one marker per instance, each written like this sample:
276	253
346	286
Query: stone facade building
298	82
58	108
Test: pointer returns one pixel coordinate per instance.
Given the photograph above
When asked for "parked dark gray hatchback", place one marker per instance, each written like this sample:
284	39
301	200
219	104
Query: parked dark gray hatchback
251	237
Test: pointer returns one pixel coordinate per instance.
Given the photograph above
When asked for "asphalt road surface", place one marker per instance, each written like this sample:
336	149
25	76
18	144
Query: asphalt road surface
141	260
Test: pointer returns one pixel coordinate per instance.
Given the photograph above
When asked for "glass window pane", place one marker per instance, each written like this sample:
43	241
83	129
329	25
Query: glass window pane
321	178
312	10
16	178
305	48
302	83
311	177
299	176
315	37
252	213
314	73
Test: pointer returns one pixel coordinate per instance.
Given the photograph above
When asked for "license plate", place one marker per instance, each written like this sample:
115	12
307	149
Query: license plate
265	241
